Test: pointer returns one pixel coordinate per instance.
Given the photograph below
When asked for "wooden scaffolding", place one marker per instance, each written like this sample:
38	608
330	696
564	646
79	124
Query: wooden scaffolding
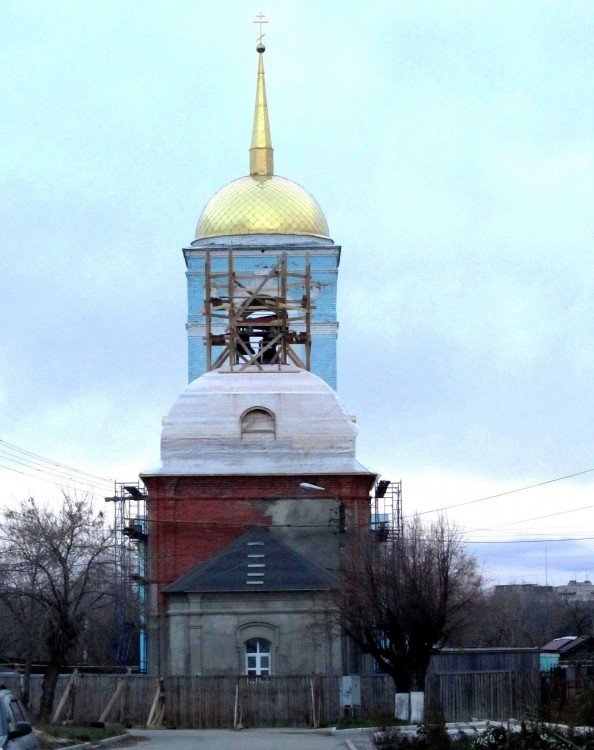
253	320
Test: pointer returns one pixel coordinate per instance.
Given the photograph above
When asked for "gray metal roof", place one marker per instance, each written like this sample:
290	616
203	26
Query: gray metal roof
256	561
565	644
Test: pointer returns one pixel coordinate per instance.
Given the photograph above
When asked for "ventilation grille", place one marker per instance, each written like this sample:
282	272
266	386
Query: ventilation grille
256	564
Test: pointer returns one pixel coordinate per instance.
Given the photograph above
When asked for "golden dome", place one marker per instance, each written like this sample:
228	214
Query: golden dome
262	204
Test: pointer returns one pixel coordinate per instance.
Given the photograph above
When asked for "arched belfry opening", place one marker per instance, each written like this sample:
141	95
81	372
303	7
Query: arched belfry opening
258	423
256	319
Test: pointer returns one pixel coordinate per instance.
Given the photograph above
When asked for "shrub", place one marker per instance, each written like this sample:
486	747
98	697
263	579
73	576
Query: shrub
579	711
433	736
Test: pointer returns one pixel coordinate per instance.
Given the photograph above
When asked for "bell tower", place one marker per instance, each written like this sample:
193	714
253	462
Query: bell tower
259	494
262	270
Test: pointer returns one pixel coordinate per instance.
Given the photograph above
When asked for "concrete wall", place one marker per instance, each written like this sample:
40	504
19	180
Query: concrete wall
207	633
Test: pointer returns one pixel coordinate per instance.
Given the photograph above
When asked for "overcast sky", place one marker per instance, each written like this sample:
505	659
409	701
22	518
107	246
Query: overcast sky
451	147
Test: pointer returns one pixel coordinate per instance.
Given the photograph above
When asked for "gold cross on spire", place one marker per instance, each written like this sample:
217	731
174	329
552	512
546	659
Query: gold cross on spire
260	18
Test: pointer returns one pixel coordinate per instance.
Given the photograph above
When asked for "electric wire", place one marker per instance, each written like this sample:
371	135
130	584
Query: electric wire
36	462
361	526
507	492
51	471
535	518
55	475
81	487
530	541
16	448
228	524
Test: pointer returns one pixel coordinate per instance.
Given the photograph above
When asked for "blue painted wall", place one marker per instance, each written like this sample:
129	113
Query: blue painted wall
324	274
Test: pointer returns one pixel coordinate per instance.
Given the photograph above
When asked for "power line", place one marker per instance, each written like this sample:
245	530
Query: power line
57	475
153	522
51	471
37	458
530	541
538	518
360	526
55	470
508	492
86	488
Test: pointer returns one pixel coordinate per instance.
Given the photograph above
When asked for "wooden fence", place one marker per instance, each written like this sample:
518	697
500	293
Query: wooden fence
460	686
496	684
209	702
483	695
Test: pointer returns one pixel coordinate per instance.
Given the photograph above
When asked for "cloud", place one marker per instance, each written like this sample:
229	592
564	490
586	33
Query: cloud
450	147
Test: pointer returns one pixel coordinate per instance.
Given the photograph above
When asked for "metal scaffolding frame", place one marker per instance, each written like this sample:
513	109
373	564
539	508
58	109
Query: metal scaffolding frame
386	513
131	533
264	316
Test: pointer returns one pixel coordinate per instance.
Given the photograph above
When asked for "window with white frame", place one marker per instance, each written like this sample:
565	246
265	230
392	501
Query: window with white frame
258	657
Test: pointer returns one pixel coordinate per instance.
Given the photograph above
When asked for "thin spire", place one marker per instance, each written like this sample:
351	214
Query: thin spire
261	159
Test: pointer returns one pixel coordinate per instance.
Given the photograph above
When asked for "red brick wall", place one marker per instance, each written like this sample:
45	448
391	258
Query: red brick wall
191	518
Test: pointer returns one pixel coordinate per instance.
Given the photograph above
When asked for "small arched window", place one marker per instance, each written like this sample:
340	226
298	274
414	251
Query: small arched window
257	423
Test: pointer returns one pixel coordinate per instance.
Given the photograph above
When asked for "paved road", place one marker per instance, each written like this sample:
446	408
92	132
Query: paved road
228	739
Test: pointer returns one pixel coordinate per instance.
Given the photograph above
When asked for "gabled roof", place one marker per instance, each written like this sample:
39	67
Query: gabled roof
563	645
254	562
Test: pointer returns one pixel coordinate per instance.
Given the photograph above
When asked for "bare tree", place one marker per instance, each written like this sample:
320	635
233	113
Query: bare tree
58	564
518	615
529	615
578	618
23	621
401	598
